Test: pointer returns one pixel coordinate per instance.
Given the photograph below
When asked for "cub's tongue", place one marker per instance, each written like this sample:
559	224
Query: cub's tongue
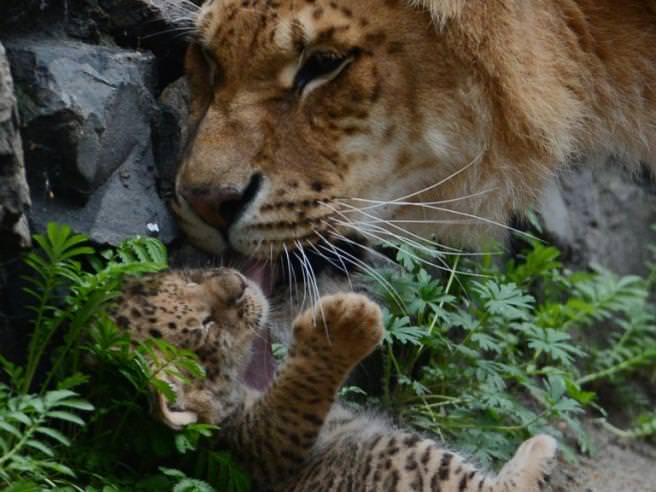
262	274
260	369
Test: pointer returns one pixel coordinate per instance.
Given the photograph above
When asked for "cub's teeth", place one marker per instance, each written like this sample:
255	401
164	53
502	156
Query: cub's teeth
208	323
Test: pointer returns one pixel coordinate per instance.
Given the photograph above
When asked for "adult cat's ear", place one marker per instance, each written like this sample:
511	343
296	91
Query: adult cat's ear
441	10
175	419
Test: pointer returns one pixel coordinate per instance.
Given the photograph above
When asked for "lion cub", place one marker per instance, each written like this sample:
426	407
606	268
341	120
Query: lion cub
293	437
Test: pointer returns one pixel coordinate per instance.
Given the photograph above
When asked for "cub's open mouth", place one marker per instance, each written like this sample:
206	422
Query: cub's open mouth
260	369
277	277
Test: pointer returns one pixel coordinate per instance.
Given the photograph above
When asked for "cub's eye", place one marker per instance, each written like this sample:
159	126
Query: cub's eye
320	67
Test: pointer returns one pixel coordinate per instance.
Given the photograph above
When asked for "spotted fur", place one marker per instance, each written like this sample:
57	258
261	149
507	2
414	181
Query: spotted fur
293	437
212	312
476	102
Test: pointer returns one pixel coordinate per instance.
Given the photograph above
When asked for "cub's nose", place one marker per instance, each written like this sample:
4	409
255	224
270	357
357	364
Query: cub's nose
221	206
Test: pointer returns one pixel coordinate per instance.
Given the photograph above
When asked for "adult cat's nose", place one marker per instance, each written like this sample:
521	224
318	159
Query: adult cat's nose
221	206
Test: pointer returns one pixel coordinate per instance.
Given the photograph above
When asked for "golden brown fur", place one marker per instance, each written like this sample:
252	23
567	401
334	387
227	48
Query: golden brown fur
500	92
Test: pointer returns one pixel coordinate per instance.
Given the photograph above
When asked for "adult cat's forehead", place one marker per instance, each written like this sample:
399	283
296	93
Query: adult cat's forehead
281	27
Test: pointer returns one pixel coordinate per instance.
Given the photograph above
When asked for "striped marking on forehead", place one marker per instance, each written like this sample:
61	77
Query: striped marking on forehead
296	29
229	14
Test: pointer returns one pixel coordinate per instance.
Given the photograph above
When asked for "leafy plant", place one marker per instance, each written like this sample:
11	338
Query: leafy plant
66	295
491	354
44	443
28	433
483	356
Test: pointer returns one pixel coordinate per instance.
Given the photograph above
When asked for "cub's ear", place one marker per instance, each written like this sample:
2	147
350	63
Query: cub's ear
441	10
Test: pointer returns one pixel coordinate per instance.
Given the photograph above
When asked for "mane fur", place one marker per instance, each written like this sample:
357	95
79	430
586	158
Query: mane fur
567	77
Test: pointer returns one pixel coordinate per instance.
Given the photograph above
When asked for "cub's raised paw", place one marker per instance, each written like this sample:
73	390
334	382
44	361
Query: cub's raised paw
348	326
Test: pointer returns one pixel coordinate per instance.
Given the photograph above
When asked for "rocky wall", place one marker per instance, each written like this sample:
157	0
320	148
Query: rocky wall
81	126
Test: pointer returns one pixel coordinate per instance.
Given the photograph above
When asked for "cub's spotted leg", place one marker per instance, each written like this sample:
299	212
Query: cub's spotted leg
280	428
527	471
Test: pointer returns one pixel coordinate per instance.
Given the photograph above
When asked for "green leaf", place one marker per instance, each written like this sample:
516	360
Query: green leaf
53	398
66	416
9	428
73	381
76	404
54	434
23	486
505	300
192	485
38	445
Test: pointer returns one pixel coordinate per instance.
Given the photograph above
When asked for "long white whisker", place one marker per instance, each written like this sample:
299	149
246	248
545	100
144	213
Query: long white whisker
335	232
465	214
474	161
371	229
381	203
403	240
447	267
291	277
389	288
416	244
310	273
444	267
441	247
313	283
295	253
343	267
180	30
375	232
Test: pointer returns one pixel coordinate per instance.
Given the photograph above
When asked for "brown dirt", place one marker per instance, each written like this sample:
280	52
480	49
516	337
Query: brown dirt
617	465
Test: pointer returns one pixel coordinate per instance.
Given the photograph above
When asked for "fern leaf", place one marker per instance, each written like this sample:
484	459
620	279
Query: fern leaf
54	434
39	446
66	416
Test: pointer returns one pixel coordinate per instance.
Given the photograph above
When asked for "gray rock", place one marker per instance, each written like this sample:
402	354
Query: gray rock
14	193
132	16
15	11
126	205
87	114
602	214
